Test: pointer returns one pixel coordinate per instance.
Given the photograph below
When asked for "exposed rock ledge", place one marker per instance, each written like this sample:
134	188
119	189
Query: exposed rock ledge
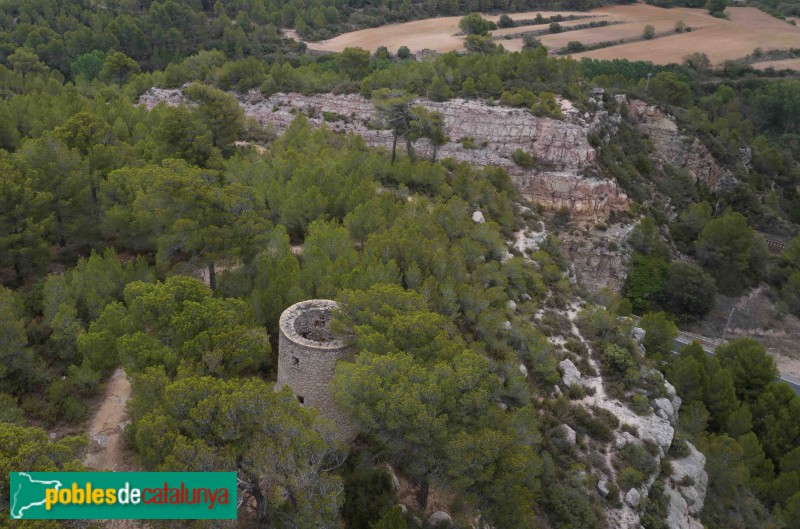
497	131
676	149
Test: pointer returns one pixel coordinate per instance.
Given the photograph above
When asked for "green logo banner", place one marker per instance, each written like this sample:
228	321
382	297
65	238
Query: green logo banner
122	495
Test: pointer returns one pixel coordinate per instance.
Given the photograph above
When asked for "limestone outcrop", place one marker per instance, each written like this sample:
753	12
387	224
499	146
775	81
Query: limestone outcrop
677	149
569	373
480	134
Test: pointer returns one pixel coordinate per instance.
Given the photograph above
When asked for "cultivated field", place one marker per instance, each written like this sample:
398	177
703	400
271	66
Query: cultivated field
783	64
437	34
746	29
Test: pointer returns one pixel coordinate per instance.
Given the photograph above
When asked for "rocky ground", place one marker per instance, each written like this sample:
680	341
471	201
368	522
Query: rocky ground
685	501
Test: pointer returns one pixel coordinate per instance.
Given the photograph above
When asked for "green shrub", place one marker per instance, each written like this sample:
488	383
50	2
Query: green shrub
641	405
469	143
575	46
505	21
523	159
629	478
637	456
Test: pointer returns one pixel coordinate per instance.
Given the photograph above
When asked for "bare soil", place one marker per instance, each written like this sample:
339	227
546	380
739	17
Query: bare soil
783	64
746	29
107	448
437	34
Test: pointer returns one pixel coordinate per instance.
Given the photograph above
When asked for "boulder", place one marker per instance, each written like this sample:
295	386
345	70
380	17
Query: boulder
664	404
633	498
437	518
658	430
620	98
511	305
569	373
637	333
602	488
389	470
507	325
523	370
557	391
477	217
678	516
569	434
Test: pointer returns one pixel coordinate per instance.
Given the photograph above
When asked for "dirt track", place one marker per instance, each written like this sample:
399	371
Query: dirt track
107	449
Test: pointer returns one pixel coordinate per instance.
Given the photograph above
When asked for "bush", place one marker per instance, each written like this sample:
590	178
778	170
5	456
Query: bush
555	27
680	26
474	24
367	496
649	32
403	52
523	159
469	143
641	405
575	46
629	478
638	457
505	21
529	42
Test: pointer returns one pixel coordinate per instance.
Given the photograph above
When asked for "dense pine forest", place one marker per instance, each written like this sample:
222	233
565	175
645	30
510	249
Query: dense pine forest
111	216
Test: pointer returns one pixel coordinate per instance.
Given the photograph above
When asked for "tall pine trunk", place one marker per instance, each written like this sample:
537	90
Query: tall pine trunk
394	146
409	148
212	276
262	514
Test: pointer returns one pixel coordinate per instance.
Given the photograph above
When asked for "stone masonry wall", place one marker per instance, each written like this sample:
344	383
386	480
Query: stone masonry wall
307	357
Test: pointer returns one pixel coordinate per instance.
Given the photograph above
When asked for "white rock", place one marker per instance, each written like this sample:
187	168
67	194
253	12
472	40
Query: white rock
477	217
569	434
507	325
557	391
670	388
637	333
633	498
389	470
602	487
676	403
620	442
693	467
437	518
523	370
569	373
664	409
512	305
620	98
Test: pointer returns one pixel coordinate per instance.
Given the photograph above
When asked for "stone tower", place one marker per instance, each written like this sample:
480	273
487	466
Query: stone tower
307	356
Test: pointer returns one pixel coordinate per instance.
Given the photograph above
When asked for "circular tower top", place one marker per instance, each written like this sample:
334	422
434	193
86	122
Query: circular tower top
307	323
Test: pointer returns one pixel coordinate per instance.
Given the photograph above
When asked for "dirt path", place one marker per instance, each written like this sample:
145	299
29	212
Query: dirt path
107	449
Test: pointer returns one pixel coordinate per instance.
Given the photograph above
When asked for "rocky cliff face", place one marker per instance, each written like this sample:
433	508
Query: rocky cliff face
677	149
685	486
496	132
